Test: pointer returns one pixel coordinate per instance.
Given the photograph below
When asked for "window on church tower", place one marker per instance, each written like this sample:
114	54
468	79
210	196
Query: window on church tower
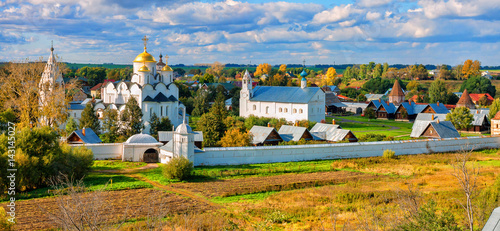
166	110
281	110
286	110
161	110
267	110
254	107
300	111
294	110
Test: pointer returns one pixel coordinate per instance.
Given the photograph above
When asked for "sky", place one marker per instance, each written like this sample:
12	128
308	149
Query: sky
253	31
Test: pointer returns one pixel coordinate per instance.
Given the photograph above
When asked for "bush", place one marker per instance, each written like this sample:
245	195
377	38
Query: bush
179	168
374	137
389	154
5	224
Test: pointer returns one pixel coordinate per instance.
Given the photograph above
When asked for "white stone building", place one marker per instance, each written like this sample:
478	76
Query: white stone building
153	89
290	103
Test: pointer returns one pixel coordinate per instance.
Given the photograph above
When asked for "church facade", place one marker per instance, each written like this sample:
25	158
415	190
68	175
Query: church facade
152	87
290	103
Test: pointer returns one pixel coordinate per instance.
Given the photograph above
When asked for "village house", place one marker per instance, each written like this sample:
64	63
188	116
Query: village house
332	133
333	103
476	97
83	136
495	125
466	101
265	136
408	111
294	133
434	129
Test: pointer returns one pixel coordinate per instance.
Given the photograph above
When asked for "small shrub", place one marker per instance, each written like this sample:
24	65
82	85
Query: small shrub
179	168
389	154
5	224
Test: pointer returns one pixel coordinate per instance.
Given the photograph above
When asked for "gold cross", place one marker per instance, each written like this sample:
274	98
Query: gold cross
145	39
166	59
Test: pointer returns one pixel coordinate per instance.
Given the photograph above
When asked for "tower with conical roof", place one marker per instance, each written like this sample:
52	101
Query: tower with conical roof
51	77
397	96
466	101
303	80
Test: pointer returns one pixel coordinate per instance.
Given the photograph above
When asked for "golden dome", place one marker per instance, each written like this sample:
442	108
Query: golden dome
144	69
144	57
166	68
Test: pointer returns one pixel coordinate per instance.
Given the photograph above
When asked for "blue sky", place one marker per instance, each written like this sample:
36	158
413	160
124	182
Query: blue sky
254	31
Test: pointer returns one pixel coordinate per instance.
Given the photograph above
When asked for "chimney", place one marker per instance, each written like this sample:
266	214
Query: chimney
477	111
379	100
432	117
296	124
437	103
437	121
409	102
268	125
83	131
333	121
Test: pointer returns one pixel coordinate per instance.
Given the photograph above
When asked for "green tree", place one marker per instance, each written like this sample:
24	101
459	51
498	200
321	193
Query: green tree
369	113
110	126
438	91
154	123
478	84
201	102
71	125
494	108
212	129
165	124
131	118
460	117
89	118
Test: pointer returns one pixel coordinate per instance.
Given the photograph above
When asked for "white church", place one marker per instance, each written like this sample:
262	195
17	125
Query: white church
152	87
290	103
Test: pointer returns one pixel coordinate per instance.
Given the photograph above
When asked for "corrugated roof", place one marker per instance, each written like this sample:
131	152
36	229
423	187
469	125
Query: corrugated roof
441	109
260	134
428	117
319	135
479	119
412	108
422	121
284	94
389	108
89	138
370	97
76	106
288	132
339	135
445	129
322	127
493	223
332	100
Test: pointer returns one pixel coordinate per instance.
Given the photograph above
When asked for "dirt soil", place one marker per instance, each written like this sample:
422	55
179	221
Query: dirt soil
34	214
242	186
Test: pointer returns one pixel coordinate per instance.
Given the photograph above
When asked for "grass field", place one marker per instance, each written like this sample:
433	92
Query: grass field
350	194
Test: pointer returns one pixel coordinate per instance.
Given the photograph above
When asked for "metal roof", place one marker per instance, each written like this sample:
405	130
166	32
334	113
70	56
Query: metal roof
326	131
479	119
319	135
89	138
288	132
322	127
389	108
260	133
284	94
160	97
338	135
493	223
422	121
332	100
428	117
413	108
370	97
76	106
141	139
441	109
445	129
166	136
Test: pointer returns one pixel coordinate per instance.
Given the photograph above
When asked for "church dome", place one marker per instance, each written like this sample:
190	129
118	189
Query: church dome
144	57
141	139
184	129
303	73
166	68
144	69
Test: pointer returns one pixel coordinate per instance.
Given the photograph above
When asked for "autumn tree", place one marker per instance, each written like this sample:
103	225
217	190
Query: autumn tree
235	138
460	117
483	101
131	118
330	76
89	118
215	69
264	68
282	68
471	68
19	90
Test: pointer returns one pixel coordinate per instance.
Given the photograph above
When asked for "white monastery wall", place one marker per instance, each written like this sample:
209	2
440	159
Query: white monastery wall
104	151
269	154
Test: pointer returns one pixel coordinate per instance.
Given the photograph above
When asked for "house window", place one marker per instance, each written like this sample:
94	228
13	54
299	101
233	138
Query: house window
74	116
166	110
281	110
286	110
161	110
254	107
109	98
300	111
294	110
267	110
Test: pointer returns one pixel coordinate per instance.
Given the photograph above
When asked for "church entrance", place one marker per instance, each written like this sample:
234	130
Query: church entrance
150	156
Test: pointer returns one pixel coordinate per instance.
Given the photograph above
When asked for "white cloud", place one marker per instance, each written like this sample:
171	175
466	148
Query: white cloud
372	15
468	8
347	23
335	14
373	3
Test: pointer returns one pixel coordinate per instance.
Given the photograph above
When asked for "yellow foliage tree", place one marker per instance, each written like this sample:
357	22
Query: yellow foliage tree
283	68
235	138
330	76
264	68
471	68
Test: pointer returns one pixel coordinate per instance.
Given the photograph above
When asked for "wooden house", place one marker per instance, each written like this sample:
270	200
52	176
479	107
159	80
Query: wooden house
265	136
